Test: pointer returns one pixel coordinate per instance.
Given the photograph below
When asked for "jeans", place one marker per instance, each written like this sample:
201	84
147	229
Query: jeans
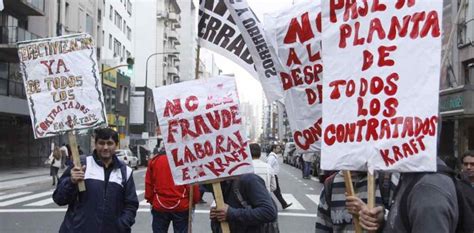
306	169
161	221
278	195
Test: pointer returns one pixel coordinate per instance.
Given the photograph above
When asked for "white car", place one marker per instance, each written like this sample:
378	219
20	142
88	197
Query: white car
127	157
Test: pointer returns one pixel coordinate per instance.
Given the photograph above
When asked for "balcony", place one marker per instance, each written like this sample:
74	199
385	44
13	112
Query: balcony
12	35
172	34
173	17
9	36
25	7
171	51
173	70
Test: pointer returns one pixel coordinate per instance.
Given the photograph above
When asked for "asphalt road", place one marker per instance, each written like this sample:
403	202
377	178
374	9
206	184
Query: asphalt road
31	209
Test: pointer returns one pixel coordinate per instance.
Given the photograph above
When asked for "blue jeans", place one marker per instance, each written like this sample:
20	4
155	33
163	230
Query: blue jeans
306	169
161	221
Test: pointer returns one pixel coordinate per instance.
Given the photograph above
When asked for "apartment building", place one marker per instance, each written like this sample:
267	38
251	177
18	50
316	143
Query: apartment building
456	104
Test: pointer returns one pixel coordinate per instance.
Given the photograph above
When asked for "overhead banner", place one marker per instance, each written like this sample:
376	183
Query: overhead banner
202	130
62	84
381	84
295	35
231	29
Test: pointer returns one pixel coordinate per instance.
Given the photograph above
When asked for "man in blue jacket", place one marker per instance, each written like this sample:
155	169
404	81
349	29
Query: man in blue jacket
248	206
110	202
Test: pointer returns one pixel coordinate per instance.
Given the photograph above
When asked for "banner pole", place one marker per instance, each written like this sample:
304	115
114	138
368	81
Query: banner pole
198	54
75	157
220	204
350	192
370	191
191	207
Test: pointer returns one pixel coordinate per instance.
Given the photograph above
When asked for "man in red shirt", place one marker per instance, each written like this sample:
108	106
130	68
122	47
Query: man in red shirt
169	202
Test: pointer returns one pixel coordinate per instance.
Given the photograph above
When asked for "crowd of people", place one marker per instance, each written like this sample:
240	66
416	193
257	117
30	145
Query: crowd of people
405	202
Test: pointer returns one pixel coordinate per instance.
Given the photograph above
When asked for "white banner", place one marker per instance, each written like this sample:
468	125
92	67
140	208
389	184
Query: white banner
381	85
202	130
295	35
62	84
231	29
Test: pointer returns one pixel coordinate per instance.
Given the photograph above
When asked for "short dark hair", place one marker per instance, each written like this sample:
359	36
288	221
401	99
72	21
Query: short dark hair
466	154
273	147
106	134
255	150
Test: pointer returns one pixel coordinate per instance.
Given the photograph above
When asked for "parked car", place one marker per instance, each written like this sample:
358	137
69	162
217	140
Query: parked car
318	172
288	152
128	158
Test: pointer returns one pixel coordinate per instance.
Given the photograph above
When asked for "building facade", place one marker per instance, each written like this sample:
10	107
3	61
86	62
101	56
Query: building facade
456	103
26	20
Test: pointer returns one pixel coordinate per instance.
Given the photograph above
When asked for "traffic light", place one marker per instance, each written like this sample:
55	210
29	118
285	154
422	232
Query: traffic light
130	62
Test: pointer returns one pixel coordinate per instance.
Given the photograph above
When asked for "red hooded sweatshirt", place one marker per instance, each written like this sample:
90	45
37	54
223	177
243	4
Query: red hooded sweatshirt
161	191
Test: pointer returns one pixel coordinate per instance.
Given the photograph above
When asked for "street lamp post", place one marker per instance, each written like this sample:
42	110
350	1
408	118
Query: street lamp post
146	85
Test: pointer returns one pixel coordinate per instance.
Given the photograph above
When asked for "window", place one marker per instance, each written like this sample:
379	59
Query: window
118	20
103	37
129	7
129	54
110	41
126	94
129	33
124	26
111	13
122	93
99	15
89	25
67	15
117	47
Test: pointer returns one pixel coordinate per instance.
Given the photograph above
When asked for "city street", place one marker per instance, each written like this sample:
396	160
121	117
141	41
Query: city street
31	209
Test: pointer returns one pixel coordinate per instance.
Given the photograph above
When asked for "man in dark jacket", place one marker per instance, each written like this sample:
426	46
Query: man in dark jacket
260	210
110	202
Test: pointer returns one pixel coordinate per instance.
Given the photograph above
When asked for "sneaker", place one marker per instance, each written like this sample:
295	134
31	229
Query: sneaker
287	205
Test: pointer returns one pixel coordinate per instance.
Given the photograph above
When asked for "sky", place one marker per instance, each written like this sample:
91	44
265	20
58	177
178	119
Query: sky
248	87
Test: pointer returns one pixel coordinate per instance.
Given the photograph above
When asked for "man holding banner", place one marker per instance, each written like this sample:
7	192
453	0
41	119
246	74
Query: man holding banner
110	201
424	202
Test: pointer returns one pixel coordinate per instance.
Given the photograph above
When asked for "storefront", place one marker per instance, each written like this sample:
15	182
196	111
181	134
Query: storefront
457	114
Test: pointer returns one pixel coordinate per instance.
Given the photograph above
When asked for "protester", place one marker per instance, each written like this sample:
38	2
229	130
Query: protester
335	208
55	163
468	167
262	169
65	155
170	202
272	160
308	159
110	202
248	208
424	202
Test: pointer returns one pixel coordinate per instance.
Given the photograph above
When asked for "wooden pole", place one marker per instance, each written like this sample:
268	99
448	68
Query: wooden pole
76	159
350	192
220	204
191	207
196	71
370	191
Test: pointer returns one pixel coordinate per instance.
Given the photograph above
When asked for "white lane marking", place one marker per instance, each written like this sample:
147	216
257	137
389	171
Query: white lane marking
312	189
147	210
42	202
13	195
291	199
314	179
27	198
314	198
305	184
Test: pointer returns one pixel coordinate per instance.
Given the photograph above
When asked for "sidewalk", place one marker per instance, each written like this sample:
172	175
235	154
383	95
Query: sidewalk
15	178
